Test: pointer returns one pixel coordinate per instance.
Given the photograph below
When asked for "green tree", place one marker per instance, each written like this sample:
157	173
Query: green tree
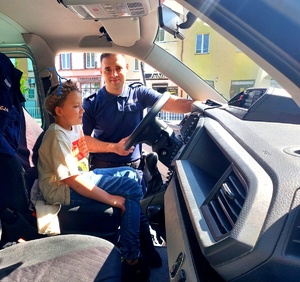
23	85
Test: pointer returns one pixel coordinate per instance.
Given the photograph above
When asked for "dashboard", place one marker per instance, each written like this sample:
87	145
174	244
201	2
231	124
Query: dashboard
232	206
264	104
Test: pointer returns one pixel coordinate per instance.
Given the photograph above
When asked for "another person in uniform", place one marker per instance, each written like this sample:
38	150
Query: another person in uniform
111	115
114	112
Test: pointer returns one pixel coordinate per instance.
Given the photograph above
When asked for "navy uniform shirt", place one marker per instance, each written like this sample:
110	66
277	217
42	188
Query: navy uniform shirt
114	117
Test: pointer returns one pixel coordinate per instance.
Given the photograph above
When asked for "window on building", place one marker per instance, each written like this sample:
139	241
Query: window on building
30	66
202	43
161	88
30	93
274	83
90	60
66	61
136	65
89	88
238	86
211	83
160	35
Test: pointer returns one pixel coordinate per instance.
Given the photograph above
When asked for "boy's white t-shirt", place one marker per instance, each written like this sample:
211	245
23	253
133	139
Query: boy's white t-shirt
63	153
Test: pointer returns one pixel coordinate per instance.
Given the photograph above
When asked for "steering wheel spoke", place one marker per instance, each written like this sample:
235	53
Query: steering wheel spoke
136	136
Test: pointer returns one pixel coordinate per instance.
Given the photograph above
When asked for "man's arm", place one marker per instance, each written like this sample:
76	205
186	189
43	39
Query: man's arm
96	146
178	105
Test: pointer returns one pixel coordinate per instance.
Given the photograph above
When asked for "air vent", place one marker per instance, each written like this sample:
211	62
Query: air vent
136	9
223	206
293	243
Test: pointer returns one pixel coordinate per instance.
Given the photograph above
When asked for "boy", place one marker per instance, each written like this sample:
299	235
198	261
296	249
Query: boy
64	176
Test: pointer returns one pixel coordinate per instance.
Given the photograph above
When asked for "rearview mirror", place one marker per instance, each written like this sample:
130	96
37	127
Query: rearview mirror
170	21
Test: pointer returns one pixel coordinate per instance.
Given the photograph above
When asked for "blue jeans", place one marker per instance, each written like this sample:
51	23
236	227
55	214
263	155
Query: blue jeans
121	181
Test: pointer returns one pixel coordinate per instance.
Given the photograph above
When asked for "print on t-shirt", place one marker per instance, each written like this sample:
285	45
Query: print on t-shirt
80	153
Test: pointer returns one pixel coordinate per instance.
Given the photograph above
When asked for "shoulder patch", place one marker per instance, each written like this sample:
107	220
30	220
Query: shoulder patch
91	96
135	85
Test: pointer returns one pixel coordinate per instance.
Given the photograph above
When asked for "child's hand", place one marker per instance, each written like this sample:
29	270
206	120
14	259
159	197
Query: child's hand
118	202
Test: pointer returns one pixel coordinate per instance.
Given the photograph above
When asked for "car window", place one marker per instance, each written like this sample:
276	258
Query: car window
29	85
219	62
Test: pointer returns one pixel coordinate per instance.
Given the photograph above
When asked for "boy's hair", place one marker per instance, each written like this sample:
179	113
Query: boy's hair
58	94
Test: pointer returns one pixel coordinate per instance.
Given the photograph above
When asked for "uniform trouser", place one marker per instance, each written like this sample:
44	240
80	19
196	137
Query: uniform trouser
13	191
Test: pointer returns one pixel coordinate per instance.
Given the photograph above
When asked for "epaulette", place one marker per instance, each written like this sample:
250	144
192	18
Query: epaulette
91	96
135	84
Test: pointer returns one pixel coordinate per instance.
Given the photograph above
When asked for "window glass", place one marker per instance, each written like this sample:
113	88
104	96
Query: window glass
202	41
90	60
136	65
28	87
238	86
160	35
89	88
66	61
223	65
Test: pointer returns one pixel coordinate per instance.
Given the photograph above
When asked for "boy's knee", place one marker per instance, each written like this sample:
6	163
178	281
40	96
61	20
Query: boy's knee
136	190
133	174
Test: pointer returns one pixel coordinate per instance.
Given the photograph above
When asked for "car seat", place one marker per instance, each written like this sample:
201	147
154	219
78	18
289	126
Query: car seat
99	219
61	258
22	136
58	258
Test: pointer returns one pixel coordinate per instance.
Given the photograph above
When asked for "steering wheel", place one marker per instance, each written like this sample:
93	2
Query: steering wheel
146	121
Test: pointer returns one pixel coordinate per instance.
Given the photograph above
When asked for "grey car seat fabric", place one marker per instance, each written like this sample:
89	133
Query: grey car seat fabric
61	258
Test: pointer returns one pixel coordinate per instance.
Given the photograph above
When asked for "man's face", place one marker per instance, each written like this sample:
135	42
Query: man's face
113	70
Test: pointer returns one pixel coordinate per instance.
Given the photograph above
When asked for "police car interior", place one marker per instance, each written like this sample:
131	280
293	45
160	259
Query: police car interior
227	205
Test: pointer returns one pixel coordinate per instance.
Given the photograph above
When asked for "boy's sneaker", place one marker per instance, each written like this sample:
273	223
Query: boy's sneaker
135	273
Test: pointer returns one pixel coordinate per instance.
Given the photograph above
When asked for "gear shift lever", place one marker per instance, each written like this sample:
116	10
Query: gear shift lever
151	162
155	183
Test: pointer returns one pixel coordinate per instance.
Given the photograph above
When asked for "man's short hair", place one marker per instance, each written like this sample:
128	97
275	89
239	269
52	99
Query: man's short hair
106	55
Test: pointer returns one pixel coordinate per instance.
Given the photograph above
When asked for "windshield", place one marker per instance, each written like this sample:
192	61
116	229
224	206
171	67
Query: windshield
217	61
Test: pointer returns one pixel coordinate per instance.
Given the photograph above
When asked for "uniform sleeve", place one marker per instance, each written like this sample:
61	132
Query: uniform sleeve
88	119
147	96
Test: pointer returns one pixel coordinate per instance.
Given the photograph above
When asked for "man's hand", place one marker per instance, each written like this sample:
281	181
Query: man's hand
118	202
119	148
97	146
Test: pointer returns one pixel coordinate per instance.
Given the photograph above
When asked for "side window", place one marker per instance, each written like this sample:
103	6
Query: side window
66	61
29	87
202	43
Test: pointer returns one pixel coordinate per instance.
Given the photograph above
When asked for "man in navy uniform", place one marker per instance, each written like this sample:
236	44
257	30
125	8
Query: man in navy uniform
111	115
